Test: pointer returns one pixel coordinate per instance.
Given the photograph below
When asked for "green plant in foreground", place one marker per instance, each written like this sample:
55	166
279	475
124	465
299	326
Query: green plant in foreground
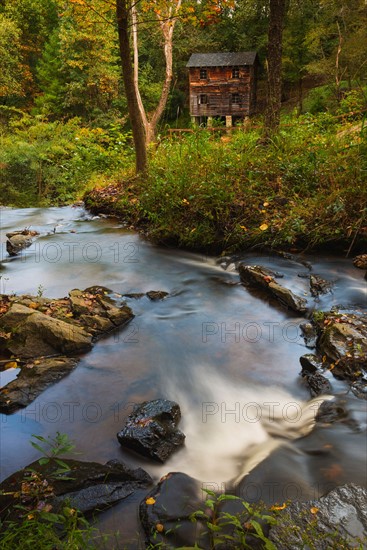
33	522
240	530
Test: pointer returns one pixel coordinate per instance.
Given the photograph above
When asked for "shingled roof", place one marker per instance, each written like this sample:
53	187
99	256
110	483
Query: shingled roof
221	59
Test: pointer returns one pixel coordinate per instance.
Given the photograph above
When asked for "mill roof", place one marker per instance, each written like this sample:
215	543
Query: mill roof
221	59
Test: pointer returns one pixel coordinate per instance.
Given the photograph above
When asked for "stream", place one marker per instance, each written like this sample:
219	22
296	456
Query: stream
229	357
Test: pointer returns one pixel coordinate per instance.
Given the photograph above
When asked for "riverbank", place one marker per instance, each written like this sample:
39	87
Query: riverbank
218	193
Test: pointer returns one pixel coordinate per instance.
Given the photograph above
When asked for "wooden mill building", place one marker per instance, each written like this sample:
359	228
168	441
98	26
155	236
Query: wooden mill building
222	85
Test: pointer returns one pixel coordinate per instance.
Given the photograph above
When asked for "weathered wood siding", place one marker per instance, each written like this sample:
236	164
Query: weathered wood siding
219	87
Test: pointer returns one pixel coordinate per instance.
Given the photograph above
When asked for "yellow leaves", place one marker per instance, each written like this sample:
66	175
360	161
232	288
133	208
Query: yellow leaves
278	506
314	510
185	202
150	501
11	365
243	227
159	527
263	227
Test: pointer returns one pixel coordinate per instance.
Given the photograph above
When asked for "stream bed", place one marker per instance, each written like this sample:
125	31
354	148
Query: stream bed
229	357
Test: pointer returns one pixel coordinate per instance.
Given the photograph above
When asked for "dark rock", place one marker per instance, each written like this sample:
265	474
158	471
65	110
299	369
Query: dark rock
360	261
165	513
18	240
261	277
317	383
87	486
32	380
310	363
156	295
336	520
34	328
359	388
309	334
151	429
334	411
319	285
343	341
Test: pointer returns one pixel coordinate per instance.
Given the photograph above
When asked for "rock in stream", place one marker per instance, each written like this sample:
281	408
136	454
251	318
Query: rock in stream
151	429
44	337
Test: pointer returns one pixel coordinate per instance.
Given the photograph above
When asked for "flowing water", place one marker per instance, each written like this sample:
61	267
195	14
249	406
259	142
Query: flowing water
228	357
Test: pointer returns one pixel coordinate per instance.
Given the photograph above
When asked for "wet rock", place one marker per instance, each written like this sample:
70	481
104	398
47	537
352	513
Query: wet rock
18	240
87	486
151	429
359	388
319	285
155	295
165	513
309	334
35	334
32	380
338	519
38	330
334	411
360	261
343	341
317	383
261	277
311	363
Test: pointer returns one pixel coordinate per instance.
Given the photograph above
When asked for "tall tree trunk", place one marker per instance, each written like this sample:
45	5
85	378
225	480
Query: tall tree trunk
137	125
274	61
167	24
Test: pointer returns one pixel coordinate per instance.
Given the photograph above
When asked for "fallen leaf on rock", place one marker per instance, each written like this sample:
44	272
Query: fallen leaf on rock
279	507
11	365
150	500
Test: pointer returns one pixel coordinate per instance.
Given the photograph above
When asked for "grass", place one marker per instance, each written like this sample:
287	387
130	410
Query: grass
216	192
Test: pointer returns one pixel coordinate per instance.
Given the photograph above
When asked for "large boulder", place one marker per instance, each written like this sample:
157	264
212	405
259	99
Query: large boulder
165	513
35	334
263	278
39	331
151	429
86	486
336	520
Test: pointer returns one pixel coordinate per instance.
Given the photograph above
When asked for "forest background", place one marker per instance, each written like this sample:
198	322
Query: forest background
65	126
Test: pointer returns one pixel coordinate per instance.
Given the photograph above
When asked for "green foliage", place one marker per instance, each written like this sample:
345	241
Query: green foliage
11	70
215	192
54	163
38	525
43	530
238	530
